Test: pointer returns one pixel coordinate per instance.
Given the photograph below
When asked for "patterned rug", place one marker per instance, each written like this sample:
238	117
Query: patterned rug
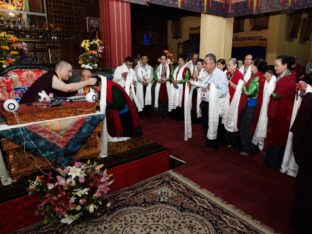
167	203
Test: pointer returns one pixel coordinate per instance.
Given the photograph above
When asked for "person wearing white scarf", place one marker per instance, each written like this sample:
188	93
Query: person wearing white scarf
246	69
214	95
230	118
192	65
144	74
195	84
262	124
177	88
289	165
162	87
125	76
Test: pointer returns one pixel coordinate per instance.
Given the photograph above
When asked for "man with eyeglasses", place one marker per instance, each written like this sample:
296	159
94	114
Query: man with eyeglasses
214	91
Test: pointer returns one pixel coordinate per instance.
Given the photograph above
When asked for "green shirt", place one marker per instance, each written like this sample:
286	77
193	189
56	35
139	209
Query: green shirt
186	77
253	89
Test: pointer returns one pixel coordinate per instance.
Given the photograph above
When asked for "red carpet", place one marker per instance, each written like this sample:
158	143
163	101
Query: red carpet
242	181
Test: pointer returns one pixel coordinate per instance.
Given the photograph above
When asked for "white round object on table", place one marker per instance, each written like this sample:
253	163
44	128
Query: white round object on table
91	97
10	105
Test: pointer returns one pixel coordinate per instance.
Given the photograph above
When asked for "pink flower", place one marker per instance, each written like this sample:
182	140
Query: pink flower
82	201
50	186
98	193
81	179
104	178
78	164
62	181
103	188
63	172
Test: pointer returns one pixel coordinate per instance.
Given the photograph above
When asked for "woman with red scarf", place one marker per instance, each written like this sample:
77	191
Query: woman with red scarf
279	111
233	75
251	98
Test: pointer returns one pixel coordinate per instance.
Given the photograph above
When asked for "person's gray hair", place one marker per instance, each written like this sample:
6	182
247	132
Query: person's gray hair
211	57
62	64
234	61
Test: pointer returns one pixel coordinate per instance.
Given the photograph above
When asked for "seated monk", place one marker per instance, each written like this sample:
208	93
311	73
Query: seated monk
53	82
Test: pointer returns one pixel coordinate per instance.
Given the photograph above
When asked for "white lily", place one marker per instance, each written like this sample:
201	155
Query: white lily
81	192
75	172
92	207
70	218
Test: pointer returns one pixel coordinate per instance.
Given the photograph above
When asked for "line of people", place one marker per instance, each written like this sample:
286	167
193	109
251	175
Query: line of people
251	107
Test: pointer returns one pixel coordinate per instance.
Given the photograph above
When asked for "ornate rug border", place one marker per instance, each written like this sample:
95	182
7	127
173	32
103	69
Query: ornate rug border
219	201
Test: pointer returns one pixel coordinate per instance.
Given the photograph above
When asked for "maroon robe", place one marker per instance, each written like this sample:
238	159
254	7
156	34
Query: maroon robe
44	83
235	78
279	111
302	135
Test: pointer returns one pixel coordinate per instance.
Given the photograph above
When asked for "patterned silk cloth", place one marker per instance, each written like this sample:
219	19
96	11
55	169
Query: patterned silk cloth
57	140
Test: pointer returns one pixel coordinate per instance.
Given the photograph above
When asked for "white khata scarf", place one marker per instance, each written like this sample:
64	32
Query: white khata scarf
231	113
176	92
262	125
188	108
247	75
215	111
157	87
289	165
144	74
129	87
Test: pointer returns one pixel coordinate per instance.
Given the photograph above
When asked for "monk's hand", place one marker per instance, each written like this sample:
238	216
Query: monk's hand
92	81
175	82
144	82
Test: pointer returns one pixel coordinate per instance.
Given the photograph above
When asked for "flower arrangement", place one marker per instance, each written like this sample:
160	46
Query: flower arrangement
92	51
8	49
73	191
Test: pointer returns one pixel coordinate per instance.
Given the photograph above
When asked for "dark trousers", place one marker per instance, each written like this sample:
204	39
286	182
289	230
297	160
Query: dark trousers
274	156
246	122
178	113
233	139
204	106
163	109
147	110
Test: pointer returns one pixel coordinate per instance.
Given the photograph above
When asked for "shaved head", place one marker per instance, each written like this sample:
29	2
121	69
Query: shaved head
62	64
64	70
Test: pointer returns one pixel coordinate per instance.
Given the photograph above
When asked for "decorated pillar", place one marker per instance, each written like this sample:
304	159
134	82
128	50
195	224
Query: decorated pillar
115	29
216	35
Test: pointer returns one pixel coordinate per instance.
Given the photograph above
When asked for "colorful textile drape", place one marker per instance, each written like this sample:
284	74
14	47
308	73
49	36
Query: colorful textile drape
58	140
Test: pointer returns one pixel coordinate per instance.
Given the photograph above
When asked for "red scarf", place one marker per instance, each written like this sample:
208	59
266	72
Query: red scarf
237	75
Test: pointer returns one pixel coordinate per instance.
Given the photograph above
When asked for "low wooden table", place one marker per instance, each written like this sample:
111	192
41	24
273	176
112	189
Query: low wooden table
34	113
21	163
